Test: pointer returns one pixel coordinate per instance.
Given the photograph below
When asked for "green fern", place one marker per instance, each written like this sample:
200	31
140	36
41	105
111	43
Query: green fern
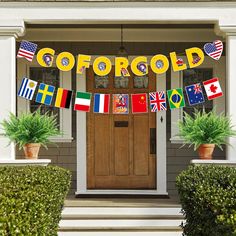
205	128
30	128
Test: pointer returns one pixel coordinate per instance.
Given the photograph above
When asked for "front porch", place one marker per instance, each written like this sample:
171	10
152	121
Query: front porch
99	34
73	147
93	30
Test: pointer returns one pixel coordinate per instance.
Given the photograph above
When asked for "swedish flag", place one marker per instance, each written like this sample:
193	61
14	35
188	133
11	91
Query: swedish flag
176	98
45	94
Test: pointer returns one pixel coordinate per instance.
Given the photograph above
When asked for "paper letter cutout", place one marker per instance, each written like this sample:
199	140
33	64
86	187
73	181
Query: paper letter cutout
41	53
70	58
175	66
134	65
83	62
107	67
189	53
121	63
165	63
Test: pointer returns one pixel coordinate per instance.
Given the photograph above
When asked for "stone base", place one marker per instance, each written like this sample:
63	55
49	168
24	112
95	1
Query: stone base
25	162
214	162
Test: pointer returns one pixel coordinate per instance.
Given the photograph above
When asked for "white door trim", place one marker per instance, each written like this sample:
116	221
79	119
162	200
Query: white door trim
161	186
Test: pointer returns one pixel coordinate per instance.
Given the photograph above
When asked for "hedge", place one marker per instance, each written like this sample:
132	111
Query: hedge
31	199
208	198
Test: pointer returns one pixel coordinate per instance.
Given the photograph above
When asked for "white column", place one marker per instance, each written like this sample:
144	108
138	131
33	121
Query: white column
8	33
231	89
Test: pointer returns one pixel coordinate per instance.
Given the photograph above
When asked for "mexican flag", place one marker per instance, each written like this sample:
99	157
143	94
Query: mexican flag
82	101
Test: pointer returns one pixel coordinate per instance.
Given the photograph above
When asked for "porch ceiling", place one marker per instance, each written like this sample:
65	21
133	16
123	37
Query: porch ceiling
111	33
125	26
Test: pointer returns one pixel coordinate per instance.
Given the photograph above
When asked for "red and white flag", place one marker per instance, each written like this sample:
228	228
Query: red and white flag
213	89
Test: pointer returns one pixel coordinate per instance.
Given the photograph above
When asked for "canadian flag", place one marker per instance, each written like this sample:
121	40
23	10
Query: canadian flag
213	89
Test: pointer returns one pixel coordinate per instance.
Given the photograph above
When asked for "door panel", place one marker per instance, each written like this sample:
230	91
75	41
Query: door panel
101	145
141	145
121	151
118	146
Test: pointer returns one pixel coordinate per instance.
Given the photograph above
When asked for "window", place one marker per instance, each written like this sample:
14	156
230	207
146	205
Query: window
52	76
207	70
101	81
141	81
121	82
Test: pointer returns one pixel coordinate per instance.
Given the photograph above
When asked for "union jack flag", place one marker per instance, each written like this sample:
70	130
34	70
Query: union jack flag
197	88
157	101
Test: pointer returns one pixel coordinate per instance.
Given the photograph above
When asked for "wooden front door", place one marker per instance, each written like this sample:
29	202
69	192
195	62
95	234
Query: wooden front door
121	148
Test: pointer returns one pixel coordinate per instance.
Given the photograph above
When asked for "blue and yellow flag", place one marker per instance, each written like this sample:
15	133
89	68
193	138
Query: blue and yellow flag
176	98
45	94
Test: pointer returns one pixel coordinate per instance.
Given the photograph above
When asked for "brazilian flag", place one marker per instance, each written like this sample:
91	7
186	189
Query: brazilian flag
176	98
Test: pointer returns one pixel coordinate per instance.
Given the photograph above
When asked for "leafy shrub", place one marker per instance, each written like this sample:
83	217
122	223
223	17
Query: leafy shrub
30	128
205	128
208	198
31	199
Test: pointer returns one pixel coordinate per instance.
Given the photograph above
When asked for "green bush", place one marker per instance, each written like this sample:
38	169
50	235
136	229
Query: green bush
31	199
208	198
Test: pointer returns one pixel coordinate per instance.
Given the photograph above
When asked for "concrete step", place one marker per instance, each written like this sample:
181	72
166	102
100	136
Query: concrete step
121	221
121	213
115	224
121	233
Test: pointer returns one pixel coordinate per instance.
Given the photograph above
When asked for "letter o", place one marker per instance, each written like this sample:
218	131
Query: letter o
154	67
71	60
107	68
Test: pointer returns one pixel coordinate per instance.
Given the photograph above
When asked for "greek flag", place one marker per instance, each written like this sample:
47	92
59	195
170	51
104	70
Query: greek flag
27	88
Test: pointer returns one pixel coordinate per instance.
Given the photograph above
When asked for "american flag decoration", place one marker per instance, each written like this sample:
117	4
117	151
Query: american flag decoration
27	50
214	50
157	101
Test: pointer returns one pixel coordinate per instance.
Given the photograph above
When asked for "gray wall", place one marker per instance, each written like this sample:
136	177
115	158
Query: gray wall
65	155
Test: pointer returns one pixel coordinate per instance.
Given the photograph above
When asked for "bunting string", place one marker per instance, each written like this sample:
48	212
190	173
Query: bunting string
141	102
120	102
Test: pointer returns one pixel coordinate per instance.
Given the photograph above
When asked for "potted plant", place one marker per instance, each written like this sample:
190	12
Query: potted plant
205	131
30	130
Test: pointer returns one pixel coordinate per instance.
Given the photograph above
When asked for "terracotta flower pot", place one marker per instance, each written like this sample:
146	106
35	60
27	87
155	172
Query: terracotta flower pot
31	150
205	151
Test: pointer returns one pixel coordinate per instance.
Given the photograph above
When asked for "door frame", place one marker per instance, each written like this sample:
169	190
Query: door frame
81	137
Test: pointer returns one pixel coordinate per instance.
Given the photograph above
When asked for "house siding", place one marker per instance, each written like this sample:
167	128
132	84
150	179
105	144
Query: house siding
64	155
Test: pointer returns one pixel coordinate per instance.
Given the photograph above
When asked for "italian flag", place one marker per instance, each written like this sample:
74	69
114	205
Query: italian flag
82	101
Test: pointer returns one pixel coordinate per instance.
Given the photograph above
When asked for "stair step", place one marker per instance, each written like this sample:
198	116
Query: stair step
128	233
112	224
120	213
122	221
